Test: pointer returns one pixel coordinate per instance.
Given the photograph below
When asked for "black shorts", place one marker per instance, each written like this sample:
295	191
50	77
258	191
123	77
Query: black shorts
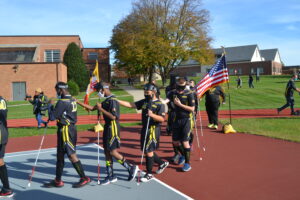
182	129
67	139
2	150
152	140
111	136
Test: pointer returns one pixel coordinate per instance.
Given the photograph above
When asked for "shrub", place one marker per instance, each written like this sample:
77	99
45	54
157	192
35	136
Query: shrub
73	88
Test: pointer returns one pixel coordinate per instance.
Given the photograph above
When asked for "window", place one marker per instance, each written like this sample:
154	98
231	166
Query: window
52	55
92	56
16	55
260	70
231	71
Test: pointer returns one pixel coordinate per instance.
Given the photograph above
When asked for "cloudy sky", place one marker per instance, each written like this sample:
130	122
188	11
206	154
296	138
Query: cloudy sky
267	23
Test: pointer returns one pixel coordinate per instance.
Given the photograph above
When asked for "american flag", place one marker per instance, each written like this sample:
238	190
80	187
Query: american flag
217	75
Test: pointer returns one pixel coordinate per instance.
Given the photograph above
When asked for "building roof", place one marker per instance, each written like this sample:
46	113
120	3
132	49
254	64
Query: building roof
268	54
238	54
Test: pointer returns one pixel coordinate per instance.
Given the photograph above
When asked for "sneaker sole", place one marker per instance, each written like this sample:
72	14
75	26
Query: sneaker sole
114	180
186	170
163	169
105	183
134	173
8	196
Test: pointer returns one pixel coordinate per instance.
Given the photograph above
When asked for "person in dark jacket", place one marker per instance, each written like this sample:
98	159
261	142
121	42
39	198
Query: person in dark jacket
39	103
250	81
289	95
6	190
213	97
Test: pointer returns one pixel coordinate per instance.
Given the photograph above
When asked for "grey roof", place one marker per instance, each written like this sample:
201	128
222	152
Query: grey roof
268	54
237	54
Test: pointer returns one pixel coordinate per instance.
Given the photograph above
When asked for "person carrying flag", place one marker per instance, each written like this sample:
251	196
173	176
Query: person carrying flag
111	134
65	112
152	112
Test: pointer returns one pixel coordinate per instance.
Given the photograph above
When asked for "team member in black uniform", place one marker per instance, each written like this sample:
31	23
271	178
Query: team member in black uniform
171	107
6	191
289	95
111	135
212	104
153	108
182	128
65	112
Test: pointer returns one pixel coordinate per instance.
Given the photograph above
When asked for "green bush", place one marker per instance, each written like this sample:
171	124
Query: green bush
76	68
73	88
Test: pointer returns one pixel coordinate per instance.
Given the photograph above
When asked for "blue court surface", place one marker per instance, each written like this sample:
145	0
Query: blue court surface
20	164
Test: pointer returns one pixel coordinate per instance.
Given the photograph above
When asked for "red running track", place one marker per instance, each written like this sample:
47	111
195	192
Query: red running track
234	166
126	118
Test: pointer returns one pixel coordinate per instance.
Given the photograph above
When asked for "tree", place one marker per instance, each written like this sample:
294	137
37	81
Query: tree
159	34
76	68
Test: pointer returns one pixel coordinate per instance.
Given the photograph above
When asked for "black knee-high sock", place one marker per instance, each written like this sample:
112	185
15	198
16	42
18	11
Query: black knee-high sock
79	169
149	164
125	163
157	159
109	168
187	154
175	149
180	149
4	176
191	138
60	163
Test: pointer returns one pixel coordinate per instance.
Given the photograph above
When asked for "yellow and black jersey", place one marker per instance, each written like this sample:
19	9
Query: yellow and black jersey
3	121
186	98
111	105
65	111
157	107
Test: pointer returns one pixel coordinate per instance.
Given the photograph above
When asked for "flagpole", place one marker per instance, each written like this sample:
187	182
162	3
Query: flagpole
230	118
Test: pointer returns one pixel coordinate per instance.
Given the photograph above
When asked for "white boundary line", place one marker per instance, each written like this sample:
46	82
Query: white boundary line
91	145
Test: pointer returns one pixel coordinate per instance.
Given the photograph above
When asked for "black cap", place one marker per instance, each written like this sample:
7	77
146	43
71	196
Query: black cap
98	86
61	85
150	87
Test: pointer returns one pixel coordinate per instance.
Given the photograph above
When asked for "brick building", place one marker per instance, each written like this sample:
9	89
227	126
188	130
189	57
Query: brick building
28	62
241	60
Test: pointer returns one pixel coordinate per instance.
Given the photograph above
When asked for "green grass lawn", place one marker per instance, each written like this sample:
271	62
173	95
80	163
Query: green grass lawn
268	93
32	131
23	109
282	128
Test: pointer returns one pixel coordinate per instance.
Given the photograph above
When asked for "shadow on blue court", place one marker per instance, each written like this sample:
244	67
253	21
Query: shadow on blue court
20	165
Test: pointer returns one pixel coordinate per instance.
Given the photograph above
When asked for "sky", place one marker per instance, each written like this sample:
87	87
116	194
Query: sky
267	23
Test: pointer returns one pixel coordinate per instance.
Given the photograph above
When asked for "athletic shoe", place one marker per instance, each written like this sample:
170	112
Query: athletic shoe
54	183
162	167
215	127
181	160
82	182
175	158
210	125
147	178
132	173
186	167
6	193
109	179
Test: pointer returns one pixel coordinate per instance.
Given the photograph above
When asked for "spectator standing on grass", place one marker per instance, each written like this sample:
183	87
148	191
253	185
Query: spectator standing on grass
39	103
239	82
250	81
289	95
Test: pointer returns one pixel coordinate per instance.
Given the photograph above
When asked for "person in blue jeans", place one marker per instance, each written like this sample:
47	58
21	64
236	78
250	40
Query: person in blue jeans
39	103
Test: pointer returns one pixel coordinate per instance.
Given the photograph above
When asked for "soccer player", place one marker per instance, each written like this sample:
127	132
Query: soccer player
111	134
184	102
65	112
152	110
6	191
